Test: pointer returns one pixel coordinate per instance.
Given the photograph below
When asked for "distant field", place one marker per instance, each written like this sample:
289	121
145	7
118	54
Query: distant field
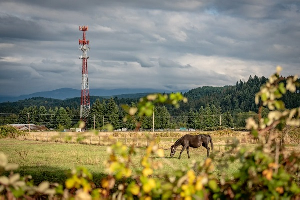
139	139
50	160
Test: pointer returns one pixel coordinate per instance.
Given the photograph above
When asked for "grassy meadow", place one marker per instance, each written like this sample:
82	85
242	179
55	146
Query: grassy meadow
50	160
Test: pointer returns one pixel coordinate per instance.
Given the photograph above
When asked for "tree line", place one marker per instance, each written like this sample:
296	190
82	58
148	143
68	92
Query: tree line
207	108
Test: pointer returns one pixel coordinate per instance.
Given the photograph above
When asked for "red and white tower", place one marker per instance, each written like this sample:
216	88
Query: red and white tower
85	94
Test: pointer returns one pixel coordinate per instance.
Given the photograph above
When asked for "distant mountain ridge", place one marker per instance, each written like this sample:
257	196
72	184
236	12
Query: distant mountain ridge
66	93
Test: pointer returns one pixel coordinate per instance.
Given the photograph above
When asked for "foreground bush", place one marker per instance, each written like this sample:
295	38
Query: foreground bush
9	131
268	172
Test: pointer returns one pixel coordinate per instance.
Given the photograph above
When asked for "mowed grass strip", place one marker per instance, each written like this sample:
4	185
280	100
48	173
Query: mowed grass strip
50	160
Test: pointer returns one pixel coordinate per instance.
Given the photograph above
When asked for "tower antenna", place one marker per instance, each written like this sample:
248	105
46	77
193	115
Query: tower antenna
85	94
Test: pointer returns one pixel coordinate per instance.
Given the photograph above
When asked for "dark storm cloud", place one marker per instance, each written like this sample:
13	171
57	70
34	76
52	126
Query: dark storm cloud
178	44
171	64
173	5
54	66
13	27
269	9
144	62
11	70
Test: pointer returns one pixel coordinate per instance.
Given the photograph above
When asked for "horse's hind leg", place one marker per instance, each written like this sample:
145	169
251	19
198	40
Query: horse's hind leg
188	152
205	145
207	151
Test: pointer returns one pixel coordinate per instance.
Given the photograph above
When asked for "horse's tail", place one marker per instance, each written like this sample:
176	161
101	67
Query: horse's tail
211	143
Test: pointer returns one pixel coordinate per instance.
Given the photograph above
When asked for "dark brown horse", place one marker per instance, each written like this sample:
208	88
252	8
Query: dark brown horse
193	141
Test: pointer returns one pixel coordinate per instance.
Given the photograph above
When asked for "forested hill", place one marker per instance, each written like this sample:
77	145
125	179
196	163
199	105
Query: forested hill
236	98
73	103
229	98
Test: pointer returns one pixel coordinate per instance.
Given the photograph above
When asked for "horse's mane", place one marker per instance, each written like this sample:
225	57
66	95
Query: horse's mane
177	141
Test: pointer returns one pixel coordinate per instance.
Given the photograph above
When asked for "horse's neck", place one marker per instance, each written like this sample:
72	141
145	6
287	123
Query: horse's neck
177	143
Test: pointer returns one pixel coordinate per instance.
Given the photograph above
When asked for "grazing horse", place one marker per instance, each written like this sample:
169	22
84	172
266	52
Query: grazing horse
193	141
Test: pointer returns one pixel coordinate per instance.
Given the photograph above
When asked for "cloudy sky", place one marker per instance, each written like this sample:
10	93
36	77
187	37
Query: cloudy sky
170	44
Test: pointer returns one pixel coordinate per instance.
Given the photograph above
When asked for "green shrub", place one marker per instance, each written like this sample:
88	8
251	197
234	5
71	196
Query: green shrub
9	131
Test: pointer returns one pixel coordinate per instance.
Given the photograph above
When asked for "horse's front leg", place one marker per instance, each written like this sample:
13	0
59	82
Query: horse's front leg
183	148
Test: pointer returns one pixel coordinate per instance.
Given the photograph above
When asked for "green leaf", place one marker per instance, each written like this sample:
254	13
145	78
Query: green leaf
295	188
266	120
59	189
167	194
213	185
283	175
148	112
167	186
133	188
282	88
259	196
70	183
264	97
18	192
279	105
254	133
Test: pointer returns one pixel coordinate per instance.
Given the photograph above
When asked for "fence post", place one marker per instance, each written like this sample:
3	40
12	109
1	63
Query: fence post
94	122
147	141
28	123
153	120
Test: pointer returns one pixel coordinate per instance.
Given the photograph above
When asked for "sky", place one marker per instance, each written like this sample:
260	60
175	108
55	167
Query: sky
169	45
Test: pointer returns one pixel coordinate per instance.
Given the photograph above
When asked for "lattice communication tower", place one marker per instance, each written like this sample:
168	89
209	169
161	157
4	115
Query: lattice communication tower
85	94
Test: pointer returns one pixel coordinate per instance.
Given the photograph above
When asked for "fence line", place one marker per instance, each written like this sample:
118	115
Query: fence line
201	122
137	139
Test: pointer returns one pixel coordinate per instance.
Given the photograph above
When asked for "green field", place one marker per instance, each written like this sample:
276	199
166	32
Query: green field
50	160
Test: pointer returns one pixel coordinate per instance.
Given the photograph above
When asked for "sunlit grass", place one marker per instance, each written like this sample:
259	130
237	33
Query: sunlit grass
50	160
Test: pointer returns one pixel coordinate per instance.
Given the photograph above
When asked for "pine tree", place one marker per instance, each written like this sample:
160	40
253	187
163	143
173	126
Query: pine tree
62	118
191	122
97	111
200	120
42	113
216	112
112	112
162	117
208	116
227	120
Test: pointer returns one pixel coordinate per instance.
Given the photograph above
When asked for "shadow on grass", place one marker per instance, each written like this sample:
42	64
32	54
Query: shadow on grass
167	157
52	174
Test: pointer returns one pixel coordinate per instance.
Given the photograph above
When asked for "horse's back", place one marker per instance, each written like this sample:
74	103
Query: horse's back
194	141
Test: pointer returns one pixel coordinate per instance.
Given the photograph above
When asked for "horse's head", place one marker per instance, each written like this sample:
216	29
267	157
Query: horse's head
173	150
